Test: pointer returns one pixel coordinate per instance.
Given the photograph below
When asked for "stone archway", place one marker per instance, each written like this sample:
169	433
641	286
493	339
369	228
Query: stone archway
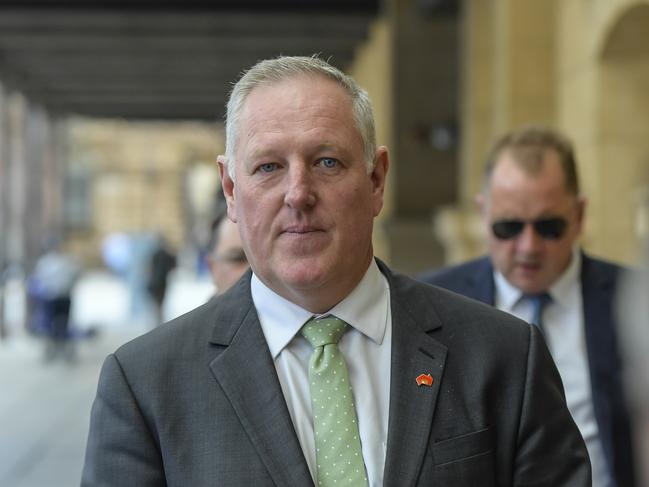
622	134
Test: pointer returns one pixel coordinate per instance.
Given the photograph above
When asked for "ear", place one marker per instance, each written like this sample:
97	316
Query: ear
211	264
378	177
581	212
482	204
228	187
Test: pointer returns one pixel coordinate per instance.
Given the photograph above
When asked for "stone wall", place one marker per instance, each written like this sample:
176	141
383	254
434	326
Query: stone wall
139	179
581	67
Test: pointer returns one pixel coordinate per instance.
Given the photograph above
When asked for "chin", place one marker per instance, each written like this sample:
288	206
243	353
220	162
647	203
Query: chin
531	288
306	274
309	280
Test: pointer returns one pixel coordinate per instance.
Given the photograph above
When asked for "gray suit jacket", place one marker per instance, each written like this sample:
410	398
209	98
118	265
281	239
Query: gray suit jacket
197	402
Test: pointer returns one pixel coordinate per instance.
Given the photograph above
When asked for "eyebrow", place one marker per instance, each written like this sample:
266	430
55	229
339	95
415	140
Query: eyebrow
327	146
269	153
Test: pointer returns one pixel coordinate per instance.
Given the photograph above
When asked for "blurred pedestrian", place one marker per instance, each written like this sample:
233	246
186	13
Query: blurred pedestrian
633	310
162	262
51	285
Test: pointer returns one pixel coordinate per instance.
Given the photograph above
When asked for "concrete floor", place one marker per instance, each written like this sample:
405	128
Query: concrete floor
45	406
45	409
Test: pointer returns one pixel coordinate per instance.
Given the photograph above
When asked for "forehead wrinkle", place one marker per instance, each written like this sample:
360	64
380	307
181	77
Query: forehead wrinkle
298	104
321	116
260	142
320	119
272	124
519	207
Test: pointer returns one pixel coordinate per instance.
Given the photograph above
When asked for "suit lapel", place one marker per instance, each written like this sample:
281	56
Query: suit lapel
597	294
246	374
412	406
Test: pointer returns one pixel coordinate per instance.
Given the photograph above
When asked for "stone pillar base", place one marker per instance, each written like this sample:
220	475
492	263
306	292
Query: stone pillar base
459	232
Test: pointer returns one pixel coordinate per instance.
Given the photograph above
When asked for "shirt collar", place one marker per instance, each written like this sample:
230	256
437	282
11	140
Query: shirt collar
561	288
509	295
365	309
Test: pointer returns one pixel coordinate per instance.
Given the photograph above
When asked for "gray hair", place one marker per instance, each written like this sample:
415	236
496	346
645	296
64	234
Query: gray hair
287	67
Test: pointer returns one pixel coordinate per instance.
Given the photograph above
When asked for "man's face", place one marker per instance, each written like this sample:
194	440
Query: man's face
302	195
228	261
529	261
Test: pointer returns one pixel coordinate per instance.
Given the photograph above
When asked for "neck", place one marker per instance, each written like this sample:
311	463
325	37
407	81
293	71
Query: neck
318	299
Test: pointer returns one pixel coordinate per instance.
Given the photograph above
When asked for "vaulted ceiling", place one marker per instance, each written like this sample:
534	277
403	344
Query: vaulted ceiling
144	59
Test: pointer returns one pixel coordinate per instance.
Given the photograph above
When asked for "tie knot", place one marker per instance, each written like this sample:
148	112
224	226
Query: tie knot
323	331
539	300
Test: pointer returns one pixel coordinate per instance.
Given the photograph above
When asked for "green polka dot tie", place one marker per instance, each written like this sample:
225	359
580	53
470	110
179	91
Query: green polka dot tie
338	446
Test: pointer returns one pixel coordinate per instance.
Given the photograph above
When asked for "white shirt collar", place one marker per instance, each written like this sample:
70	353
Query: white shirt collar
508	295
561	288
365	309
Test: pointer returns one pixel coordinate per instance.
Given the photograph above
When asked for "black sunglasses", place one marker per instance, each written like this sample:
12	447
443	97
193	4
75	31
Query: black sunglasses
549	228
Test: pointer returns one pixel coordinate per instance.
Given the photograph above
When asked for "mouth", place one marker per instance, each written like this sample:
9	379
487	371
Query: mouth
301	230
529	266
304	239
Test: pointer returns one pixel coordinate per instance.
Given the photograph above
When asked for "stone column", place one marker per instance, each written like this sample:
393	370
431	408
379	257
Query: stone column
4	203
423	77
37	184
15	272
508	71
16	177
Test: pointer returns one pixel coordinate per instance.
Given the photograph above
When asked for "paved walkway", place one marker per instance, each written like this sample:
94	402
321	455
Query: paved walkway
45	406
45	409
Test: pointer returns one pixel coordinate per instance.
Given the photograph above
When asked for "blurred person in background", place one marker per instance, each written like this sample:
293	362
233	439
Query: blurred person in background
52	281
533	214
226	259
162	262
633	310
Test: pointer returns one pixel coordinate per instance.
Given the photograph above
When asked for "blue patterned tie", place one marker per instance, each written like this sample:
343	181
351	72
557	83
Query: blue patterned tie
538	302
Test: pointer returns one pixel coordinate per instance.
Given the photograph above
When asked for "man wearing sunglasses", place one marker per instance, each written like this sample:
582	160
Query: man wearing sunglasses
533	214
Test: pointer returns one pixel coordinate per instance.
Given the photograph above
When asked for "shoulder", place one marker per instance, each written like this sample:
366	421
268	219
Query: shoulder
193	332
600	271
173	339
453	311
451	277
479	340
600	263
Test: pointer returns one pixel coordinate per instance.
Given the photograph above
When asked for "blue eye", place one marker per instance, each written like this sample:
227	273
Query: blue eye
268	167
328	162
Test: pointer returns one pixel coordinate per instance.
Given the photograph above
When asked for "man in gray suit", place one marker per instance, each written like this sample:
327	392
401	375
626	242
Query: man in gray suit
444	391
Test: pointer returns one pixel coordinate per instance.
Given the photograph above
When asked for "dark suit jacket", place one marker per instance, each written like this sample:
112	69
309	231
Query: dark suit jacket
599	281
197	402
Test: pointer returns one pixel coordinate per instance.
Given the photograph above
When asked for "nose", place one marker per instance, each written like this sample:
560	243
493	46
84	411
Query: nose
529	242
300	192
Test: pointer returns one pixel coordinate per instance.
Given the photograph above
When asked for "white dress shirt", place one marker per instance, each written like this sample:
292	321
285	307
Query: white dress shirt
563	327
366	347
